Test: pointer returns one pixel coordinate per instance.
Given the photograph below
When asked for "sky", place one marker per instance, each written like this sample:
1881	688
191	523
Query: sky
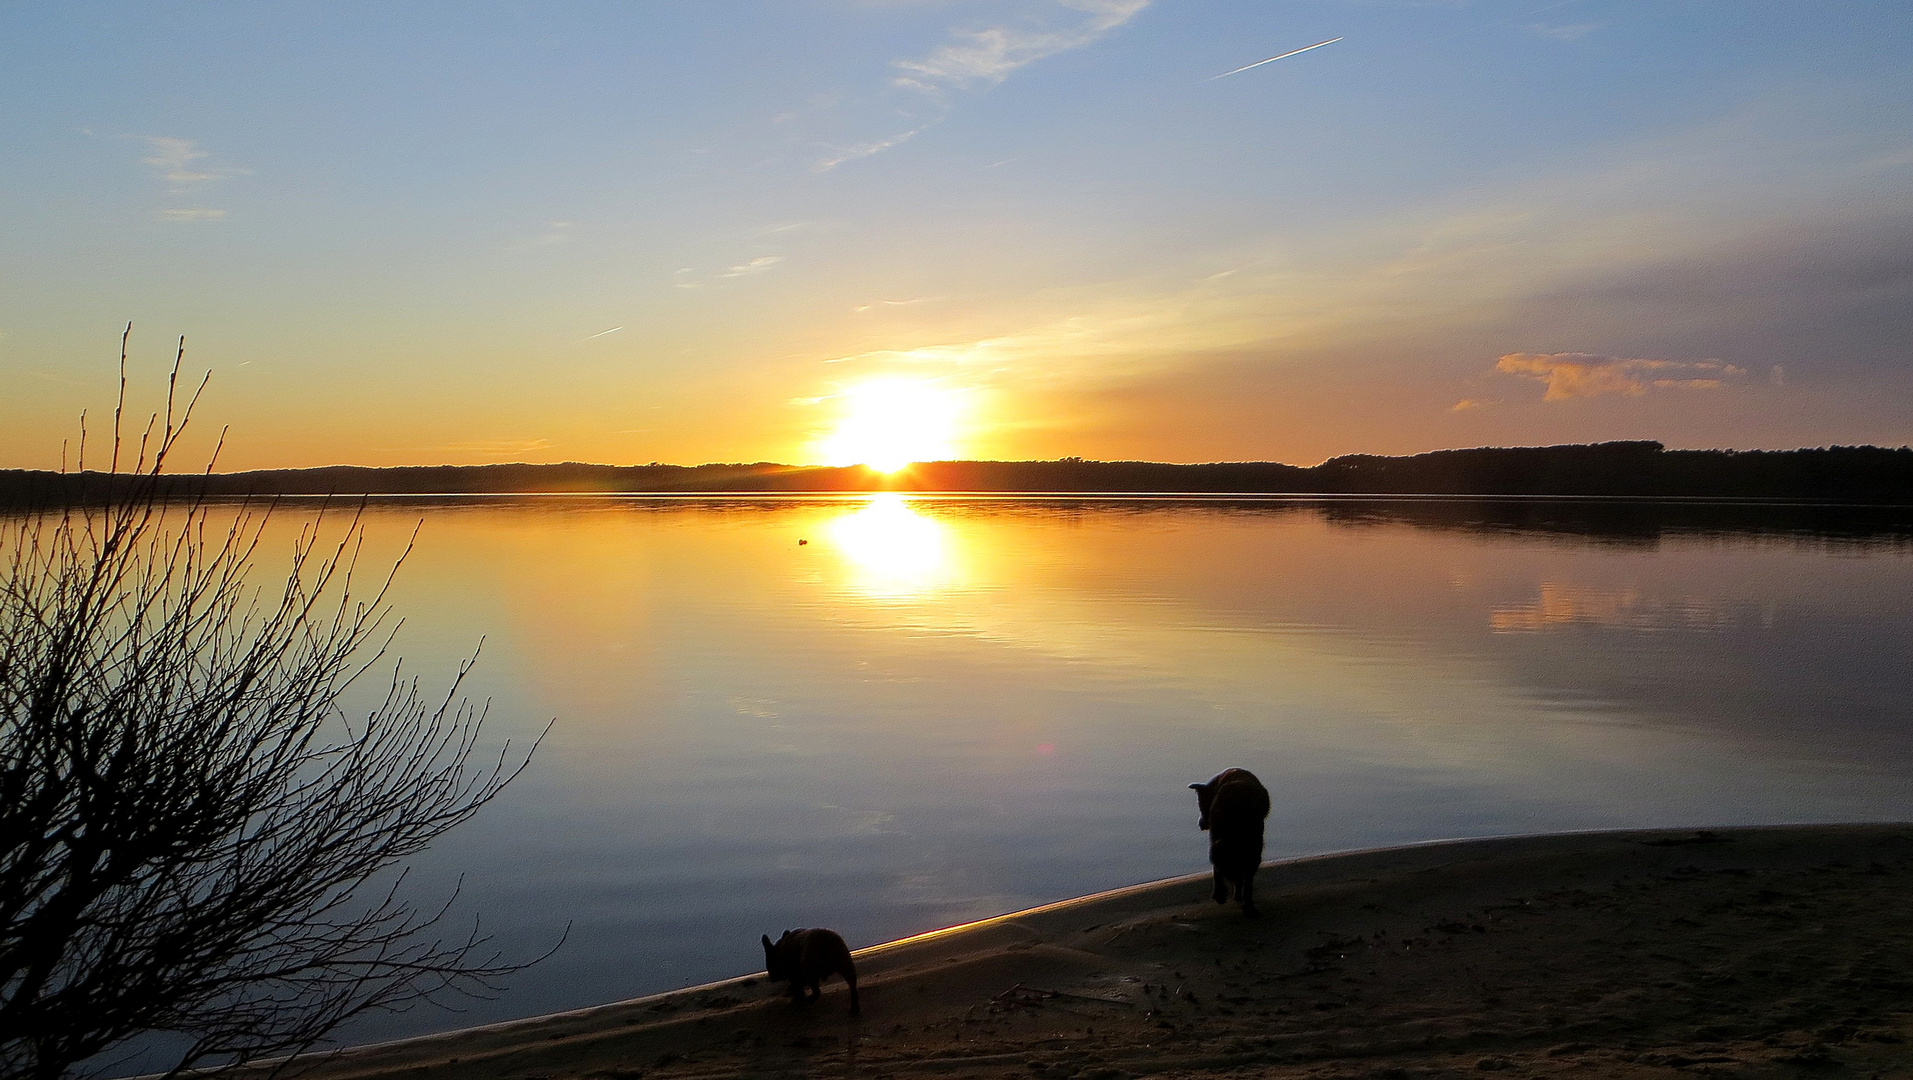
824	231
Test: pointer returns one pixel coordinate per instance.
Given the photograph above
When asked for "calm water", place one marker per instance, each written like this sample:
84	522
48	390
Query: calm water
937	710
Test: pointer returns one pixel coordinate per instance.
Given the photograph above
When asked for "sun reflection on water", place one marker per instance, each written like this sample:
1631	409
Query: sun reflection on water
892	550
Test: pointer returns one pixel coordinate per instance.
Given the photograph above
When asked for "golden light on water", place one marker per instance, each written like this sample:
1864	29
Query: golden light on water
893	550
890	423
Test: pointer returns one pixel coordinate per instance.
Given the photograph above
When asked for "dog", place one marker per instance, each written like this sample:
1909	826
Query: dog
1233	807
805	958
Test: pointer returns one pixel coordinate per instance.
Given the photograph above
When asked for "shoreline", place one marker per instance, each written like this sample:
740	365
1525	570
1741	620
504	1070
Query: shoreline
1488	928
1843	474
825	495
1119	893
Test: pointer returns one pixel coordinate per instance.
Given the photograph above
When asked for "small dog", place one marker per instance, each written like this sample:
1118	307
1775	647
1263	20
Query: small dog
1233	806
806	958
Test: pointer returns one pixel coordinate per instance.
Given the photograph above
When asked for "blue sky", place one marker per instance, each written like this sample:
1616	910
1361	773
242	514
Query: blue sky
405	233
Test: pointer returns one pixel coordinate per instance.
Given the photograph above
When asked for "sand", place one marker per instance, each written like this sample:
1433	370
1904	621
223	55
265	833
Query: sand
1748	952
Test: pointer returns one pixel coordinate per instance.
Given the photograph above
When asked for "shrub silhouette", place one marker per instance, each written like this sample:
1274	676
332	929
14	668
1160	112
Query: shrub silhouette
194	837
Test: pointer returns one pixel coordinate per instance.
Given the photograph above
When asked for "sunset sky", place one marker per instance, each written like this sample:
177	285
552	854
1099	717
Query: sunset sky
835	230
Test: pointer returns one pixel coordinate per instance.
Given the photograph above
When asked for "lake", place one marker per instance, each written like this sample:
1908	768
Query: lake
887	715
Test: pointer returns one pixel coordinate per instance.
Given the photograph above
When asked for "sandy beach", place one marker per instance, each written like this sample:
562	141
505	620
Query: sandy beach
1748	952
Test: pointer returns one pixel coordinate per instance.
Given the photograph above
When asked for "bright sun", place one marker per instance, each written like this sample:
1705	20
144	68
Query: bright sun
890	423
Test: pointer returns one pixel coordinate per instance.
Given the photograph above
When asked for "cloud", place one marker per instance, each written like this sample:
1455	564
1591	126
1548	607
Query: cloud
1466	404
687	277
755	266
1828	295
185	167
979	57
1092	336
864	150
180	162
1617	254
990	55
556	232
893	303
1578	375
499	448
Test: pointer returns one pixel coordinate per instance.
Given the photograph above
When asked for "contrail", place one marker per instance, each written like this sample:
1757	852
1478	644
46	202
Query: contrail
1273	59
597	335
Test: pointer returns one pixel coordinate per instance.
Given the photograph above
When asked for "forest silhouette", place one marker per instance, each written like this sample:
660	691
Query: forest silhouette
1838	474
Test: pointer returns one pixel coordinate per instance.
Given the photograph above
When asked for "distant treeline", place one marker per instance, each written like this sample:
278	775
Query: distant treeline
1844	474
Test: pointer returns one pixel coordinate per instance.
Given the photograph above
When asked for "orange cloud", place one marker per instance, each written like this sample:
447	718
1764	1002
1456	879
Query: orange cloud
1576	375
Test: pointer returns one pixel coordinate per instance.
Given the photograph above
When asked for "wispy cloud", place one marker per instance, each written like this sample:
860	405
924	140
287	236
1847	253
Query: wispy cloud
556	232
499	448
990	55
860	309
756	266
1580	375
1095	338
183	163
688	277
982	58
186	167
864	150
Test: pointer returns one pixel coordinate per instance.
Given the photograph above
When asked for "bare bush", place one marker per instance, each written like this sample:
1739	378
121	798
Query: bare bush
195	838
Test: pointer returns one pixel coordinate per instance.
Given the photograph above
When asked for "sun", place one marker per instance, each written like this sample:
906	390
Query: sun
889	423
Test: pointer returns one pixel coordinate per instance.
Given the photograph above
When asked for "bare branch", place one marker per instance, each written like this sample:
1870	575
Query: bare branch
194	836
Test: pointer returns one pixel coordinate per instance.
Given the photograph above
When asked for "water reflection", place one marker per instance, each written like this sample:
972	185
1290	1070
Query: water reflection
1563	605
940	709
893	551
1644	523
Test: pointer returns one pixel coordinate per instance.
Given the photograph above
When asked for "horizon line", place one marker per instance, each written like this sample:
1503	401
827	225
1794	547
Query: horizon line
1657	446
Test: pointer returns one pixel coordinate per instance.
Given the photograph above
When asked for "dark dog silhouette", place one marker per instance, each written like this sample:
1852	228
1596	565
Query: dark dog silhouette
1233	807
805	958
